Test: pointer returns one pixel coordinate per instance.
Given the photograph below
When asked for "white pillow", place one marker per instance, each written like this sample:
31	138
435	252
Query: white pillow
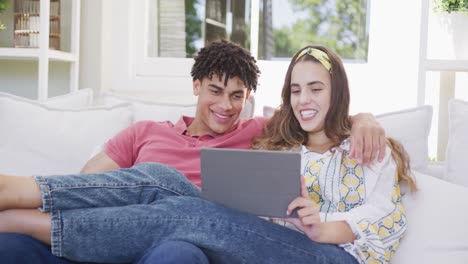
37	139
457	147
436	231
163	111
268	111
79	99
411	128
150	110
249	108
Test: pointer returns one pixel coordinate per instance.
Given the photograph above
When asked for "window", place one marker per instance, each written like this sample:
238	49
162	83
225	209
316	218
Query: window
179	28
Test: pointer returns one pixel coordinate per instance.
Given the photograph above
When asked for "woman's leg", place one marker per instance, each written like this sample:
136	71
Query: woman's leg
19	192
26	221
174	252
226	236
142	184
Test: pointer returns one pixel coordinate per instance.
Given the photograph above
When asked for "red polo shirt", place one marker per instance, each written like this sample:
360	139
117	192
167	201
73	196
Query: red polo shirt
167	143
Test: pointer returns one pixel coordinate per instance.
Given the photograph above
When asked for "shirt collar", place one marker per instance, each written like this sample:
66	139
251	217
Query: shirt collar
185	121
182	125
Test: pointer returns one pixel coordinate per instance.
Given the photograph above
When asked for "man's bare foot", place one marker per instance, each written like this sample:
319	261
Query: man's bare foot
19	192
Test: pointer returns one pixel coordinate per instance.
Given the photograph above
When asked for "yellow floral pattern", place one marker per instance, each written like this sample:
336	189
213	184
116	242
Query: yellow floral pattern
352	189
311	179
384	229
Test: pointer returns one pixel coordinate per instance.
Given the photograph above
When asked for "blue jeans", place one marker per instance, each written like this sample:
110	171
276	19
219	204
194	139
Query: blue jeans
18	248
173	252
116	216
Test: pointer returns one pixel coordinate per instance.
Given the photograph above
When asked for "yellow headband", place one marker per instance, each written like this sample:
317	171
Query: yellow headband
321	56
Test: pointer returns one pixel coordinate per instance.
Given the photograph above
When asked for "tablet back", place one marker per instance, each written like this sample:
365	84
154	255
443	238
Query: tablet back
257	182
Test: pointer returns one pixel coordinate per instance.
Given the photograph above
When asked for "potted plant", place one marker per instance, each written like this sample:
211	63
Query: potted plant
3	6
449	6
455	15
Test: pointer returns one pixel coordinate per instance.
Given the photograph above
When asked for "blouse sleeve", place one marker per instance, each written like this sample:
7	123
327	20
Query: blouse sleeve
380	222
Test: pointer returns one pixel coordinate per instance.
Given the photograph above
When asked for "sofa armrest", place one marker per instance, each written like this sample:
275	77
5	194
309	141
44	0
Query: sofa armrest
436	231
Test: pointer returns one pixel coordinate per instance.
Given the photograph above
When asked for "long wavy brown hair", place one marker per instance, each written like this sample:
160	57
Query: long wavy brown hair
283	131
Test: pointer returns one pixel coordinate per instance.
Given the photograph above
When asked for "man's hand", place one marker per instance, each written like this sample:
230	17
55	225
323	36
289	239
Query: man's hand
367	139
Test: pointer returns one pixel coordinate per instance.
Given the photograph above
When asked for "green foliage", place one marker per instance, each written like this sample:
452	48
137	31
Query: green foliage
192	27
3	5
448	6
339	25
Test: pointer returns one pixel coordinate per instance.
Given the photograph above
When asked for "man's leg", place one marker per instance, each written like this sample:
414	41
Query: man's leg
173	252
225	235
142	184
17	248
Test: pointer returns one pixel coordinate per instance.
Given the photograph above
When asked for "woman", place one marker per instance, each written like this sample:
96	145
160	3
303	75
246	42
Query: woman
344	217
361	205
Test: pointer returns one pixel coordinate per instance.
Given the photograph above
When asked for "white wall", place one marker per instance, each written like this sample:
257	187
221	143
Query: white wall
91	44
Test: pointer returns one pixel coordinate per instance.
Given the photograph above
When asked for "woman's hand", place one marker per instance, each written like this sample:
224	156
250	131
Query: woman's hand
308	213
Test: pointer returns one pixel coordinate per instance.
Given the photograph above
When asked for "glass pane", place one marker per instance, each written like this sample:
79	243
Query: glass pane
179	28
288	25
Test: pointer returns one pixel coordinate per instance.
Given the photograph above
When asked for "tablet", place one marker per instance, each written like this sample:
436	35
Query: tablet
253	181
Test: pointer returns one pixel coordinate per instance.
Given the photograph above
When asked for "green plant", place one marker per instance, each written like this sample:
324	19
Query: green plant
448	6
3	6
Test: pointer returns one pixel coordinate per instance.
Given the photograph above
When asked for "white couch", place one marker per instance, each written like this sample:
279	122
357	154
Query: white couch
59	135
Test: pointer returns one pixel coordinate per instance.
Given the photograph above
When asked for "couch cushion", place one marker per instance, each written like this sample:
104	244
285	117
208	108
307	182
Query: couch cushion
44	140
249	108
150	110
457	147
411	127
436	231
79	99
268	111
163	111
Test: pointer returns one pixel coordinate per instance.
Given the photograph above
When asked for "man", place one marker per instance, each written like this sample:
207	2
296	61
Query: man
224	74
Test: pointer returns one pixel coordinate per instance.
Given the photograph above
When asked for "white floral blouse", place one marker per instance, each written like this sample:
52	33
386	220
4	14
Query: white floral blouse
366	197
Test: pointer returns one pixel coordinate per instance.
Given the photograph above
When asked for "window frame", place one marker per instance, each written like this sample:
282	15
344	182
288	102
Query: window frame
136	70
146	66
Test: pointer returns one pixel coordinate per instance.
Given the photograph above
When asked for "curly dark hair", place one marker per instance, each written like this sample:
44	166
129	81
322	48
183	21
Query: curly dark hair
223	57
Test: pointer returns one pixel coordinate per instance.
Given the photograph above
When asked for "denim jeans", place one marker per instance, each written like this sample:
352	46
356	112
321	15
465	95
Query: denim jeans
173	252
17	248
115	216
23	249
